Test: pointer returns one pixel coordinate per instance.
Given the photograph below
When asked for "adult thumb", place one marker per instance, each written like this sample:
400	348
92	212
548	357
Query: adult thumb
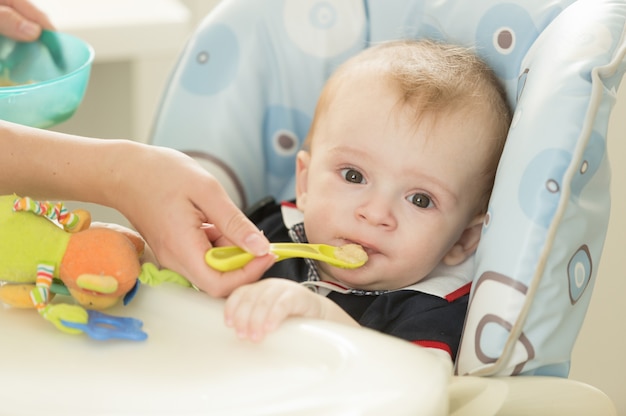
238	229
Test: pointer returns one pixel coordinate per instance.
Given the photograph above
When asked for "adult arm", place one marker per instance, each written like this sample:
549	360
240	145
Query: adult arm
165	195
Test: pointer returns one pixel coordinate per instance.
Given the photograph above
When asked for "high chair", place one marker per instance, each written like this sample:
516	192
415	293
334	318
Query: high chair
241	100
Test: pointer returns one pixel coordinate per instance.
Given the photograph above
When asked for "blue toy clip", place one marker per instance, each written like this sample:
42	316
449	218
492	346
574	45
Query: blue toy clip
102	326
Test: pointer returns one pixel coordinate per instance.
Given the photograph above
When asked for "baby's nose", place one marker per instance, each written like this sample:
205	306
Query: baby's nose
377	212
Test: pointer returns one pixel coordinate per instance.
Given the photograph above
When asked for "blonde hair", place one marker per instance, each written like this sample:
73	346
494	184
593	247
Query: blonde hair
434	79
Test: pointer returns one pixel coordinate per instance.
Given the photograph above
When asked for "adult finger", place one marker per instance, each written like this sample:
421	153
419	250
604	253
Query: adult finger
22	21
29	11
233	224
190	262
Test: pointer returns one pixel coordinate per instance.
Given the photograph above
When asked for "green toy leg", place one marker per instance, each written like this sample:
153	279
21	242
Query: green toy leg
40	296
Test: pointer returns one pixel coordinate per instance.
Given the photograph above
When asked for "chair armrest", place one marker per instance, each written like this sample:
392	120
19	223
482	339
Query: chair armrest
532	395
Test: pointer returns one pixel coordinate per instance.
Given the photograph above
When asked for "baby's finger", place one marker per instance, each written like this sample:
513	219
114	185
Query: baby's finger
231	305
238	310
276	315
265	316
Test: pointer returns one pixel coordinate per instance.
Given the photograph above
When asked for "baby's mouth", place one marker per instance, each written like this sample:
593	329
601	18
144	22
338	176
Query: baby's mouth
369	249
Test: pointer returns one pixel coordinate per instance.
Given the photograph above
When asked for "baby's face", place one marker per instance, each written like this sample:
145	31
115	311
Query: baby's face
404	192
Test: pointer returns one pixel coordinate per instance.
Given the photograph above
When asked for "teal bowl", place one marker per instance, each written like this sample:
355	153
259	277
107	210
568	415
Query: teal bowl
43	82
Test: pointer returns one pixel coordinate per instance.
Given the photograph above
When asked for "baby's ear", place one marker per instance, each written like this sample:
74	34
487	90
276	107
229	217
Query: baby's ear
466	244
302	173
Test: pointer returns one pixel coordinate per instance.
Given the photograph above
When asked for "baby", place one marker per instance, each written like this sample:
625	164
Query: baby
400	159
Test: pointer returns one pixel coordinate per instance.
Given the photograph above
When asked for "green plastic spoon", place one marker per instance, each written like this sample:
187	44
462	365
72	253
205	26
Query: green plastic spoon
349	256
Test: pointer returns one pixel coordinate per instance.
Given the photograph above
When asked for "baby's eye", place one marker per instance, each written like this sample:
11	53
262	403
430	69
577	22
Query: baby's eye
352	175
420	200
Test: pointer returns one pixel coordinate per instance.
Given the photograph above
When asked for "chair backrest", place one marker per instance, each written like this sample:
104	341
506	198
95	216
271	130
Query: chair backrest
242	96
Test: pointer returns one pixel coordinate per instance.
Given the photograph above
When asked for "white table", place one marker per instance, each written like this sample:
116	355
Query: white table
147	33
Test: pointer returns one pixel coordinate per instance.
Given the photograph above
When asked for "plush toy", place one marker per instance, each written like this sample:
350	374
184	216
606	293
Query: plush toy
45	249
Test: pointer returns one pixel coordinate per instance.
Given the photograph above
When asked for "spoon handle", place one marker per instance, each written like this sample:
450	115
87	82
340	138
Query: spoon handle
231	257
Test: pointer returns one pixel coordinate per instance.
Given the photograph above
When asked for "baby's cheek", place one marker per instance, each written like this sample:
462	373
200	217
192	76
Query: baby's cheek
316	224
420	258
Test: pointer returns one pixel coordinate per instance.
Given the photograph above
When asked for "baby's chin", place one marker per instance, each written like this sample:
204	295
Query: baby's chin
368	277
354	278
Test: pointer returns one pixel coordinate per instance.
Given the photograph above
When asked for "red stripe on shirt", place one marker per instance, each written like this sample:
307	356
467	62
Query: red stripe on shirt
434	344
462	291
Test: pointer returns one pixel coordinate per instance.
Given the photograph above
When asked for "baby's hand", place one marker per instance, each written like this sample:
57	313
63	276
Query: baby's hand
256	309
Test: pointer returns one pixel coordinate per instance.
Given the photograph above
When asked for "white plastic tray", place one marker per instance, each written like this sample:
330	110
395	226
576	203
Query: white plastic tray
193	364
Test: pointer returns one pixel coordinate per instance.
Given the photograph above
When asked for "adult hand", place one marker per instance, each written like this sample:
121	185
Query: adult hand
182	211
22	21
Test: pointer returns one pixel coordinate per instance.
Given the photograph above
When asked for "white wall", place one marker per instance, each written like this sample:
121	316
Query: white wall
600	354
107	110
